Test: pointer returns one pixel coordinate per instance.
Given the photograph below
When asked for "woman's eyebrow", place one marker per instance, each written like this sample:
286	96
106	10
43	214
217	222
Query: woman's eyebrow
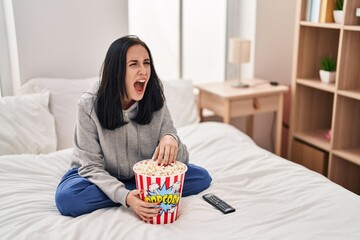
132	60
135	61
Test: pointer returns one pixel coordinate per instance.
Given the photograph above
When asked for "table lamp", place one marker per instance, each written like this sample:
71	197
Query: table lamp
239	53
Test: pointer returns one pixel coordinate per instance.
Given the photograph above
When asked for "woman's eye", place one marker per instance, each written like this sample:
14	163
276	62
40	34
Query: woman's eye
147	63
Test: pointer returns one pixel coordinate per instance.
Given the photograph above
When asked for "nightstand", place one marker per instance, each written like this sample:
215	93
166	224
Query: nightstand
229	102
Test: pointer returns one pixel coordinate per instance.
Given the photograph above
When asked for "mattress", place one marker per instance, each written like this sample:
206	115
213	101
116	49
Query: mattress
273	197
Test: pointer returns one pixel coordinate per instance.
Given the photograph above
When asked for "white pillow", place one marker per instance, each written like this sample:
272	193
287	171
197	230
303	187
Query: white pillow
180	100
26	125
64	95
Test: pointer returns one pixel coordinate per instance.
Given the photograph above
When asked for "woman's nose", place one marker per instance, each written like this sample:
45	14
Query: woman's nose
142	69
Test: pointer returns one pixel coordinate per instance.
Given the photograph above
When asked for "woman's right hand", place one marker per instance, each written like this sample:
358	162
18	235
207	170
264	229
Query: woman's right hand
145	210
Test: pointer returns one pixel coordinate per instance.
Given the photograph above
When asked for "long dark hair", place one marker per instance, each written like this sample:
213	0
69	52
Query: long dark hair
112	87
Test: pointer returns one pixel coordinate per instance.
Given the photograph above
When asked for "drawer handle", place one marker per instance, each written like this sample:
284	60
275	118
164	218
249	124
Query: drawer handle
256	103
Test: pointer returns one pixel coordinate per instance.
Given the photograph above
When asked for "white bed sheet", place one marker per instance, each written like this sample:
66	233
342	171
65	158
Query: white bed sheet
274	198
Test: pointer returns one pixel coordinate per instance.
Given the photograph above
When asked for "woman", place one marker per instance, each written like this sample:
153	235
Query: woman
121	121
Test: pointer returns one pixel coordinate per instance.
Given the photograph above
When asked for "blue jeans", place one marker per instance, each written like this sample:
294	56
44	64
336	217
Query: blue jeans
76	195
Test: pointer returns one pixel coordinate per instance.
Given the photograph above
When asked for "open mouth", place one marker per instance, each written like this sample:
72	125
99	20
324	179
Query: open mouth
139	85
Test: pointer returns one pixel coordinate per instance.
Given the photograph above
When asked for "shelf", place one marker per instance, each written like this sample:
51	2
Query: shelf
315	138
310	157
317	107
350	8
352	28
349	71
321	25
314	110
316	83
314	44
345	173
352	155
347	127
355	94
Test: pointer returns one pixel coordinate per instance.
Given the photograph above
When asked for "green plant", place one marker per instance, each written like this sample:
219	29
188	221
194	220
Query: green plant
328	64
339	4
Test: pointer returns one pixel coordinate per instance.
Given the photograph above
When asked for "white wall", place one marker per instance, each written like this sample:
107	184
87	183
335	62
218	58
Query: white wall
66	38
204	43
157	24
274	39
275	22
203	40
270	26
247	30
5	70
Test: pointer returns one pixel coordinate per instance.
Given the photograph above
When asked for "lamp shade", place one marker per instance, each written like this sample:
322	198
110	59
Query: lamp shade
239	50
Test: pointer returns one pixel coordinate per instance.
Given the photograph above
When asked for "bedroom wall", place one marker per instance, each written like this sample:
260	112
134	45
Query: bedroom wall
66	38
178	47
160	32
270	26
275	22
5	71
245	28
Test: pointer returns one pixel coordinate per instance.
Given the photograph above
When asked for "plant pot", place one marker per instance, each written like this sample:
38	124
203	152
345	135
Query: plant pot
338	16
327	77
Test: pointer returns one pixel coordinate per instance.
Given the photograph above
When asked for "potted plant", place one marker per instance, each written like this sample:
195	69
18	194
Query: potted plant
338	11
328	69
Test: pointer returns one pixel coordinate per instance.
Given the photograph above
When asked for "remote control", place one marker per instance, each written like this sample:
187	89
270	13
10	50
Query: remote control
218	203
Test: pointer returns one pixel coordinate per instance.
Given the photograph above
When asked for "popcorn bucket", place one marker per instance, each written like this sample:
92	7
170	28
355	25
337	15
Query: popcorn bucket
162	185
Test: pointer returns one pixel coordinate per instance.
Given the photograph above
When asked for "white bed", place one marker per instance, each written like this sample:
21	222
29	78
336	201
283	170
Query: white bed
274	198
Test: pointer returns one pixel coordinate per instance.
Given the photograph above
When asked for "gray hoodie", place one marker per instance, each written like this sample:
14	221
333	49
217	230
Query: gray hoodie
106	157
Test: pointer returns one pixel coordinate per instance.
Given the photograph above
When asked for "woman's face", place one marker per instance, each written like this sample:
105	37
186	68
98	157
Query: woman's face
137	74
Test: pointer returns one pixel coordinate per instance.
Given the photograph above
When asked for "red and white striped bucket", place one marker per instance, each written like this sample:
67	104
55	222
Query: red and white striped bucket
165	190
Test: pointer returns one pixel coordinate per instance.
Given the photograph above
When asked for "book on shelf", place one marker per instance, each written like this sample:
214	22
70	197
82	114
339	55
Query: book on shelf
308	10
326	11
315	11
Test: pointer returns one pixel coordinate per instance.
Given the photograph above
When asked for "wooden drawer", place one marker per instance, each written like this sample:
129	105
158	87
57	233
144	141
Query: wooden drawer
310	157
212	102
250	106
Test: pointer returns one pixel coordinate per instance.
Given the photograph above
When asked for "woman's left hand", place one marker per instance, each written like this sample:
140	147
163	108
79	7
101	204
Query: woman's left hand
166	151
